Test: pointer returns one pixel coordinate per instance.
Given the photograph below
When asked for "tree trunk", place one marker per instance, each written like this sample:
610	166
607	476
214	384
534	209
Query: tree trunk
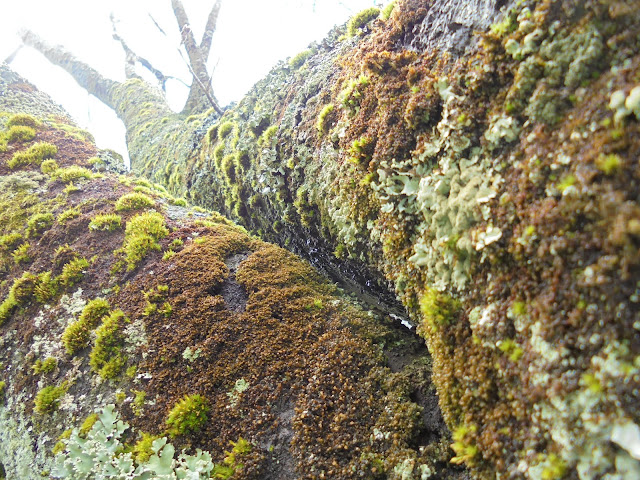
489	177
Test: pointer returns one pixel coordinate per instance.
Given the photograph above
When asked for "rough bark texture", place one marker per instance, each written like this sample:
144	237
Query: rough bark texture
491	178
118	299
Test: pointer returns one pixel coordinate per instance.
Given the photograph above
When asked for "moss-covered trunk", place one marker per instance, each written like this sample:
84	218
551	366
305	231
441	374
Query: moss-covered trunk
491	179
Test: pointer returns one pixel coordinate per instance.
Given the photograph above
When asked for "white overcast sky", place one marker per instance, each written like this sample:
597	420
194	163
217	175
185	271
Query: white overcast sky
251	37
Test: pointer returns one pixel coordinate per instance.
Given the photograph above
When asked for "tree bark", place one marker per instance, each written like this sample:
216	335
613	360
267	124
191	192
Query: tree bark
491	179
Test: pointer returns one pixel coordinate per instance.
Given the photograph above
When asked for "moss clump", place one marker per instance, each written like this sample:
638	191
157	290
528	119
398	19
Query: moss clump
351	95
609	164
43	367
212	134
34	155
178	202
141	236
88	424
73	271
466	451
72	173
38	223
299	60
268	135
49	166
438	309
134	201
48	399
107	357
20	134
231	463
361	20
360	151
77	334
46	287
106	222
143	450
23	120
225	129
68	214
386	11
323	119
229	168
10	240
21	254
188	415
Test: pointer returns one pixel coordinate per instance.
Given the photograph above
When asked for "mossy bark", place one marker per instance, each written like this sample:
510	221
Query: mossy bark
491	179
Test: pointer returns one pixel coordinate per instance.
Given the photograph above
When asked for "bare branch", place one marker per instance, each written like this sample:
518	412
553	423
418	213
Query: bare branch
197	64
157	25
132	58
12	56
209	30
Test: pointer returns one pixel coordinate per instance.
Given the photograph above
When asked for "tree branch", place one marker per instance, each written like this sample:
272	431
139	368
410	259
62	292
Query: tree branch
209	30
198	67
88	78
132	58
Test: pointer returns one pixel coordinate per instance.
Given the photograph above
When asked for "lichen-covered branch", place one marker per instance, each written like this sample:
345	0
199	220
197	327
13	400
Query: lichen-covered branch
87	77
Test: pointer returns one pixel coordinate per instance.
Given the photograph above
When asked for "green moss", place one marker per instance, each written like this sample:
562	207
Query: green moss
73	271
43	367
77	334
20	134
437	308
21	254
225	129
141	236
46	288
386	11
178	202
464	444
299	60
38	223
71	188
228	166
212	134
48	399
360	151
351	95
143	450
107	357
22	119
511	348
138	402
218	153
72	173
323	119
555	468
231	463
10	240
508	24
68	214
268	135
361	20
108	222
49	166
3	387
134	201
566	182
609	164
188	415
34	155
88	424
